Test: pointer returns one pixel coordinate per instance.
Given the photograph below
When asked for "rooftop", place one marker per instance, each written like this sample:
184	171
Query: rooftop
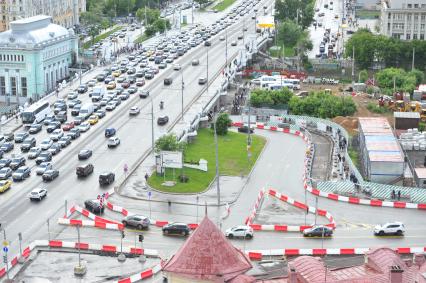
411	115
32	31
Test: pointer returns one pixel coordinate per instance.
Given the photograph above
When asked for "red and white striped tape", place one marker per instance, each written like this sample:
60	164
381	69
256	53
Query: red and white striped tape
260	254
75	245
336	197
249	219
91	223
147	273
92	216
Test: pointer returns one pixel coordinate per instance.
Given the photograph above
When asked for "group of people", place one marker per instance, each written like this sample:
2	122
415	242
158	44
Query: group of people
239	99
396	195
126	49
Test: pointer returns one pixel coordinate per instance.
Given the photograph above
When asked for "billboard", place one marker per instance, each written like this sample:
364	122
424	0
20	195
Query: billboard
171	159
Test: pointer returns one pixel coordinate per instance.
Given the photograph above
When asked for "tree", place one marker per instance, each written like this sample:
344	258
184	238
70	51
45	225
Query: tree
363	76
151	15
420	76
222	123
267	98
169	143
301	12
364	43
289	33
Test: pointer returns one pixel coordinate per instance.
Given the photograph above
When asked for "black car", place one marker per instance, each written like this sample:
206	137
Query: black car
82	88
207	43
318	231
100	78
244	129
162	120
5	162
20	137
100	113
34	129
84	170
84	154
50	175
76	110
17	162
43	157
94	206
53	126
176	228
168	81
74	133
106	178
144	94
7	146
28	144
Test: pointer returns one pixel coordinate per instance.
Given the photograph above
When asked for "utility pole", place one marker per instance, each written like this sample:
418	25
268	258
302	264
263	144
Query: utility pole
248	132
414	54
353	66
207	70
80	71
183	86
217	161
226	48
152	125
192	11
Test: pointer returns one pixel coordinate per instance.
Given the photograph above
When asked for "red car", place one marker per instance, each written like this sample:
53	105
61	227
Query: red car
68	126
140	82
125	84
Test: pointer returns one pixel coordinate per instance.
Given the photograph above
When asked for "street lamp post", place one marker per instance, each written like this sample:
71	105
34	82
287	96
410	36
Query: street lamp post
207	76
152	125
217	161
183	86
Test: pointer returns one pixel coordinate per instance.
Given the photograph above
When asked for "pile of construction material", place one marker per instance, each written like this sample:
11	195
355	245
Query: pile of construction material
413	140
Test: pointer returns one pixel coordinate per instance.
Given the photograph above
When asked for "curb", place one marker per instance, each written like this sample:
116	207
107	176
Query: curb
147	273
336	197
260	254
75	245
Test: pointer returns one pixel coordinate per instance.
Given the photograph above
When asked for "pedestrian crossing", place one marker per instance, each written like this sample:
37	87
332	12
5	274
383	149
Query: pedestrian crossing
349	225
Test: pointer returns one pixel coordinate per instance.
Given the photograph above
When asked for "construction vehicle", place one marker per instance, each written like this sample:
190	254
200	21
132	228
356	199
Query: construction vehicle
400	106
423	115
415	106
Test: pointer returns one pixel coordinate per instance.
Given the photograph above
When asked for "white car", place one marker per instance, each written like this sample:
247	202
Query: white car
43	167
37	194
134	111
56	134
110	106
240	232
392	228
176	67
46	144
221	38
84	127
113	142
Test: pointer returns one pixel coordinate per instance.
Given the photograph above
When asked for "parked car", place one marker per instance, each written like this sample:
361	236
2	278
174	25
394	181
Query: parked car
106	178
37	194
21	173
392	228
245	129
94	206
241	231
50	175
176	228
84	170
136	220
318	231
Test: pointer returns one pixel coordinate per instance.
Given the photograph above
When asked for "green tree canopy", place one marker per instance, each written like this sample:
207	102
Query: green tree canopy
404	81
169	143
301	12
151	15
267	98
222	123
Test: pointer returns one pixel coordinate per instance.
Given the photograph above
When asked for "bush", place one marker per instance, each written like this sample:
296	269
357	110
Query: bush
169	143
322	105
183	178
373	107
222	124
268	98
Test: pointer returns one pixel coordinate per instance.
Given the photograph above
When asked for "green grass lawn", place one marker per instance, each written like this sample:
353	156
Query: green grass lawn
142	38
223	5
354	155
101	37
287	52
233	161
368	14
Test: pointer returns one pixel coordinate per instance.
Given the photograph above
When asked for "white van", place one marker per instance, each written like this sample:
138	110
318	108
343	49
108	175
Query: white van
86	110
264	79
97	93
277	86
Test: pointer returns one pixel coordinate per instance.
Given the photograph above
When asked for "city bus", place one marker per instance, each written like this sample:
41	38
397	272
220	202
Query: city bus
36	113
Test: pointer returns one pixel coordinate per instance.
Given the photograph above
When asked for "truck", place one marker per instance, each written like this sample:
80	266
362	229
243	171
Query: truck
97	93
86	110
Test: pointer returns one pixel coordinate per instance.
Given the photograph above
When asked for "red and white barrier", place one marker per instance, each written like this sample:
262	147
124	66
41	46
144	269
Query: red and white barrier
75	245
336	197
260	254
91	223
147	273
249	219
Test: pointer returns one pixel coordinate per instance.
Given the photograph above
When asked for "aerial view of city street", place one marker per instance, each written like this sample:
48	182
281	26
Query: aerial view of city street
275	141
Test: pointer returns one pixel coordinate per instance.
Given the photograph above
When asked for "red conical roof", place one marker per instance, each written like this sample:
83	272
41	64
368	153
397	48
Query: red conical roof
208	255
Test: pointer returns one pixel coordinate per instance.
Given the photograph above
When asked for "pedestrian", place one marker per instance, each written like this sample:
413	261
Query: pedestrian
146	176
393	194
399	195
16	118
338	156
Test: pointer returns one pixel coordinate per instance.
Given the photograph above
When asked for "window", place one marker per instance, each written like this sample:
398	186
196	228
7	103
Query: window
416	17
13	85
2	86
409	17
416	6
422	36
408	37
415	36
409	6
24	88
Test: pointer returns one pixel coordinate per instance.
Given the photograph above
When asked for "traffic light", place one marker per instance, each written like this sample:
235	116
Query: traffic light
141	238
122	234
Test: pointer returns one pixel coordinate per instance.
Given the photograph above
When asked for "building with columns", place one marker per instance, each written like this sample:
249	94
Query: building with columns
35	54
403	19
64	12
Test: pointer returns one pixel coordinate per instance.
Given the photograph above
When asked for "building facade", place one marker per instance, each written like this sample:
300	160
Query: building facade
64	12
35	55
404	19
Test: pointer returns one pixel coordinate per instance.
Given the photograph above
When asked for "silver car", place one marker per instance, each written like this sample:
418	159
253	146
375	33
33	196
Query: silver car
136	220
43	167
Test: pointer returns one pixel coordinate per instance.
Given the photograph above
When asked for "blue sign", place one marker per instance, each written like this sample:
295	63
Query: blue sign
149	194
5	249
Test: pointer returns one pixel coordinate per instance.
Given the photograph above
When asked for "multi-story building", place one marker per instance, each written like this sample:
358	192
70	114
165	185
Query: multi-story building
64	12
35	54
404	19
